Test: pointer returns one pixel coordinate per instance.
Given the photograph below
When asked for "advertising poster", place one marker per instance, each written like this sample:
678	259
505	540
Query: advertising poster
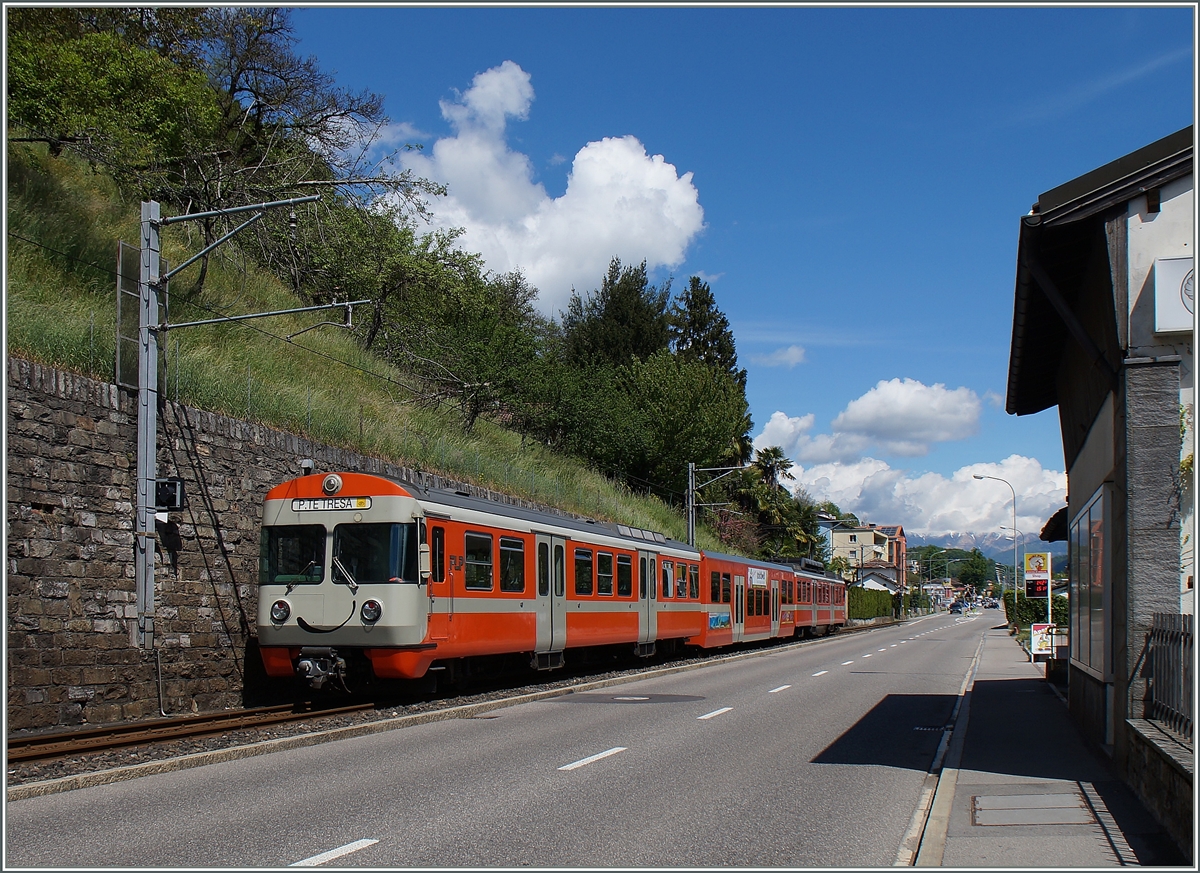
1040	639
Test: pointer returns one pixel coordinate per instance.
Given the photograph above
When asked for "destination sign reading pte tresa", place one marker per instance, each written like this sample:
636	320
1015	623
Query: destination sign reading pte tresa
312	504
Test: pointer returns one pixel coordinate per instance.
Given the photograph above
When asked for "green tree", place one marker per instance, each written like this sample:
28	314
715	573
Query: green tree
976	570
699	331
625	319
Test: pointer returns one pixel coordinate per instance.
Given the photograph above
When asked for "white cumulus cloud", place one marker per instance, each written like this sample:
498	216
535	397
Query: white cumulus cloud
933	504
905	416
619	201
900	417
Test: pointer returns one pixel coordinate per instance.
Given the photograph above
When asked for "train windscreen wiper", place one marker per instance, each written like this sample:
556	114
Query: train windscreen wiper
349	579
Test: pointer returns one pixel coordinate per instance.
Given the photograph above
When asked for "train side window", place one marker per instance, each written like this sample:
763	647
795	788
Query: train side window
715	594
694	581
604	573
624	576
681	585
512	564
478	575
560	572
438	554
650	578
642	578
726	588
583	571
543	569
666	578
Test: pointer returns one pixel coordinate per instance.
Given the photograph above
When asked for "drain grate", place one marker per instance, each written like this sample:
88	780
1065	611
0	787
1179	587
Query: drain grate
1030	809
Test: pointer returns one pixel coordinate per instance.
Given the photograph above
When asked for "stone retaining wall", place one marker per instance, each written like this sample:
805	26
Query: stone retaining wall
73	656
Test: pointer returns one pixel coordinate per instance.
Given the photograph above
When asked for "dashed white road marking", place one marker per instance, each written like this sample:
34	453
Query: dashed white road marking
591	759
844	663
883	650
318	860
780	688
866	656
893	645
714	713
821	673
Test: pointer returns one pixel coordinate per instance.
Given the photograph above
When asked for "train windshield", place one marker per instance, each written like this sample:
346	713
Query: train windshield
367	553
292	554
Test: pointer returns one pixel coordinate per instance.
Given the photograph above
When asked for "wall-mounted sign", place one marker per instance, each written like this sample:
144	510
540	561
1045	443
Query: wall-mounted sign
1174	294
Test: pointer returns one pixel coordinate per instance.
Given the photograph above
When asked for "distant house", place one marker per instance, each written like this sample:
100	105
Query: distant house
880	581
868	549
1102	329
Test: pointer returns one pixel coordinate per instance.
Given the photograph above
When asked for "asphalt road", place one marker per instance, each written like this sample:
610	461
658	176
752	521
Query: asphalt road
810	755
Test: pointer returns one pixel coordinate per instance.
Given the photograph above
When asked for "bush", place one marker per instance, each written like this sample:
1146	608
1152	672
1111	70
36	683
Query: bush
1033	610
867	603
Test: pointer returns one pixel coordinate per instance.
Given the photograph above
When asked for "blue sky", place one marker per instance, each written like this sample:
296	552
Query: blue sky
849	180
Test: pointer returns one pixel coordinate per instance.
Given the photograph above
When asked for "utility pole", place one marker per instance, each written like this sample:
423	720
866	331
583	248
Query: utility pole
152	283
690	503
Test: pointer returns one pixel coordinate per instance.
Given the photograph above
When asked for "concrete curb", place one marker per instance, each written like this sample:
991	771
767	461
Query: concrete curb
236	753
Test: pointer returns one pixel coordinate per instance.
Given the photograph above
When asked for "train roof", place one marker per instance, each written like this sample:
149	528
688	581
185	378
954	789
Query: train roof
464	500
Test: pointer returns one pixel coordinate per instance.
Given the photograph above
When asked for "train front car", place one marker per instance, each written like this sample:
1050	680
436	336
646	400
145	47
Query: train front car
341	572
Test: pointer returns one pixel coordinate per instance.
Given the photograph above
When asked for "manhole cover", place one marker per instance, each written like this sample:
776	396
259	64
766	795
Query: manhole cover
1030	809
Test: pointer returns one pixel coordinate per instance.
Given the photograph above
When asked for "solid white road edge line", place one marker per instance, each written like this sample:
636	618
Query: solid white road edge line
318	860
714	713
592	759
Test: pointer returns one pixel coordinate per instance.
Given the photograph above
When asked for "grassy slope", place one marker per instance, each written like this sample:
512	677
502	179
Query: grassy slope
64	223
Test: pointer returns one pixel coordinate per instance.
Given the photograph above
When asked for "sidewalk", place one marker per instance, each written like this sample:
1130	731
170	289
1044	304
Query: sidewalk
1020	788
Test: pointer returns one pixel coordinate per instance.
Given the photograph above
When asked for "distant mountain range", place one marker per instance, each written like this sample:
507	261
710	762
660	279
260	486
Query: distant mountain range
994	545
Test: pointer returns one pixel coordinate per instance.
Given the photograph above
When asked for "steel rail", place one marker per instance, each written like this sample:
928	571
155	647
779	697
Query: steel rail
64	743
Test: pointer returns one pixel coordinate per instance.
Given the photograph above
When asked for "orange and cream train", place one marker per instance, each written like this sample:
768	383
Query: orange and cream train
359	570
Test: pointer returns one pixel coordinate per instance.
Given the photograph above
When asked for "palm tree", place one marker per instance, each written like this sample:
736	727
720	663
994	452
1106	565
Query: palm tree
772	465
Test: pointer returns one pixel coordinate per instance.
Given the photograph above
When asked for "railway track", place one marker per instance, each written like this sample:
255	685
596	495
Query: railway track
41	747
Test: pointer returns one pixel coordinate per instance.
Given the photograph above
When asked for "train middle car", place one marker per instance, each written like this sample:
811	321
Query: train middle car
359	570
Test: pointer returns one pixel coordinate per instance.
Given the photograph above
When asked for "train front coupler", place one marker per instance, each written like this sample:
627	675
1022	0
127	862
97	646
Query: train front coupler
318	664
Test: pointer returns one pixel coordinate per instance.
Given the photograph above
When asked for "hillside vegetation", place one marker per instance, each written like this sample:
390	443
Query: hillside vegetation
449	367
64	224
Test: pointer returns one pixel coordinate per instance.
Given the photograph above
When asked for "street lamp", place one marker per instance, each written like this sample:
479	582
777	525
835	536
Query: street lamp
1017	536
1014	524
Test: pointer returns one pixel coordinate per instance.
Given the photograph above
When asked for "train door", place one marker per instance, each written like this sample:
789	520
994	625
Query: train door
739	607
647	598
774	607
551	593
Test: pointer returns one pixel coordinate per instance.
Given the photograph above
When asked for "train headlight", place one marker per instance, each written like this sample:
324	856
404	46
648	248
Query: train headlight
372	610
280	611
